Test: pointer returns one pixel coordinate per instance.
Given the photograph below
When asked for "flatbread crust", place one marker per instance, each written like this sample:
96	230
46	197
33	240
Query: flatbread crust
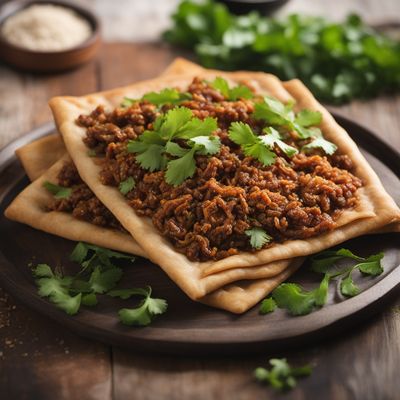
30	208
375	209
37	157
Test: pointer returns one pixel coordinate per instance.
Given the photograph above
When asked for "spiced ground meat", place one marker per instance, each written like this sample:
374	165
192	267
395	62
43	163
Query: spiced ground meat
82	203
206	216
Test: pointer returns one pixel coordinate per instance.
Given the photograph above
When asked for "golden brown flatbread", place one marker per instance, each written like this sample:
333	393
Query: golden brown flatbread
37	157
375	209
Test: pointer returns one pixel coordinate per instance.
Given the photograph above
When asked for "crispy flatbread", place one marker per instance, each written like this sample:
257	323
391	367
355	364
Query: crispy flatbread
29	207
37	157
375	208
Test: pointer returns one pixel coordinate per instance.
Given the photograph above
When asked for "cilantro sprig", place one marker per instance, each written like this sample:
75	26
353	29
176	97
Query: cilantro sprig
145	312
259	147
158	150
165	96
59	192
337	60
98	276
281	376
235	93
298	301
258	237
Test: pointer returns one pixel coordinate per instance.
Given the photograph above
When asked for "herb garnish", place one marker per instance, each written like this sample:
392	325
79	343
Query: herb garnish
155	148
338	61
98	275
127	185
59	192
281	376
298	301
235	93
259	147
146	310
165	96
258	237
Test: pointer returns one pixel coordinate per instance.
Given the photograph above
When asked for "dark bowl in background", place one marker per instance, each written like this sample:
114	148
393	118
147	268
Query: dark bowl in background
245	6
52	61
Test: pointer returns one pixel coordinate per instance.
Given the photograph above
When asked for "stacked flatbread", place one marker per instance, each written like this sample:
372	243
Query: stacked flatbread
235	283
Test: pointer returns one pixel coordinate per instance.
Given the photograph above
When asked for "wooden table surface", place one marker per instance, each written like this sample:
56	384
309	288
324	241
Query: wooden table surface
41	360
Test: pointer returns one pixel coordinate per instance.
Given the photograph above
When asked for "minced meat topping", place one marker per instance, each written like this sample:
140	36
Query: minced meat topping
211	213
82	202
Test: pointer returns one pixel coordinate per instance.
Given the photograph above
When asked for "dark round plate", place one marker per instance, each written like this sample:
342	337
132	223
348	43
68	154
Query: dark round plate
189	327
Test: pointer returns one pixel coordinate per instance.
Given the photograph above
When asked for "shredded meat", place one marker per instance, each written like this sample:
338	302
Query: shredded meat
82	203
206	217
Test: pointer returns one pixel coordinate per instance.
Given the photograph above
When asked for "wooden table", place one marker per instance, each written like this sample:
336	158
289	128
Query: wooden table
41	360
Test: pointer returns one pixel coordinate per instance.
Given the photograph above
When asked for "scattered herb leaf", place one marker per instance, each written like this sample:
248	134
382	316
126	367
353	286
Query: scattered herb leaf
258	237
59	192
281	376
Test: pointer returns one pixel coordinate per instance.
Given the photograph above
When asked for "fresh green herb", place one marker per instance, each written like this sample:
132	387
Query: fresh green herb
298	301
59	192
165	96
267	305
322	261
98	275
152	147
303	123
237	92
258	237
338	61
259	147
57	289
273	138
127	185
320	142
146	311
281	376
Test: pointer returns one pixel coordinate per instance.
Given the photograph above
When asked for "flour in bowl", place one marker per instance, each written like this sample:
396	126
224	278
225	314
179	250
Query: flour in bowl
45	27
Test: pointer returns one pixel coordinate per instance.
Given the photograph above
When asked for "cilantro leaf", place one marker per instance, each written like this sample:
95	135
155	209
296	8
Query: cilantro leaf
348	287
101	281
274	112
89	300
372	265
239	91
258	237
308	118
127	185
268	305
294	299
197	127
281	376
166	96
321	293
56	288
127	293
252	145
174	121
325	259
241	134
59	192
274	138
321	143
259	152
79	253
180	169
152	158
206	144
146	311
